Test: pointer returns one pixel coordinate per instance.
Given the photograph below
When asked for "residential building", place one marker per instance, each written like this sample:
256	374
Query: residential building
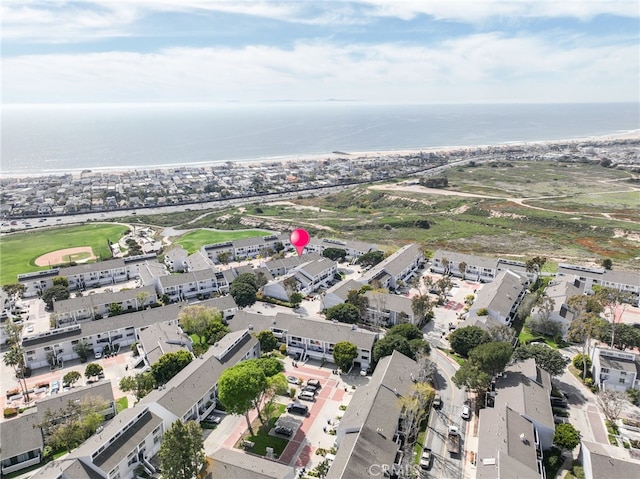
310	338
353	249
396	269
308	277
338	293
373	429
517	426
234	464
477	268
605	460
615	370
22	438
627	281
498	301
387	309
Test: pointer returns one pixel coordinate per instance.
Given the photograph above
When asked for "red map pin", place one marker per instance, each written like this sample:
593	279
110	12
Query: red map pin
299	239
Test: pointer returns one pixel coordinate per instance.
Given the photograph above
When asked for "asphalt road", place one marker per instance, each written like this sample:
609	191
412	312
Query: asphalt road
444	466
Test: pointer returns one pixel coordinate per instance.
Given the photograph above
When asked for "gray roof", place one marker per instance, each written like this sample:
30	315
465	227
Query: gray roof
291	261
499	438
605	464
525	396
500	294
619	364
321	330
72	467
342	289
128	439
604	275
198	261
392	302
472	260
188	277
395	263
195	380
161	338
19	435
221	303
90	267
313	268
235	464
92	328
91	300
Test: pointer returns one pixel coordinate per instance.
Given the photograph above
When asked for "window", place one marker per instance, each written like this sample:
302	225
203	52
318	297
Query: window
604	370
623	373
622	380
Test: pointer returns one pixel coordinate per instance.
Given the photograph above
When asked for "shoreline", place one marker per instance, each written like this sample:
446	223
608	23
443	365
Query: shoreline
283	160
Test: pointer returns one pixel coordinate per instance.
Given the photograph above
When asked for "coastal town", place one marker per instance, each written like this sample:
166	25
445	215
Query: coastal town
34	199
334	423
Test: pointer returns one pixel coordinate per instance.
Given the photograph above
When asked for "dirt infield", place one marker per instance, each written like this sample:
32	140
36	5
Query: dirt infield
78	255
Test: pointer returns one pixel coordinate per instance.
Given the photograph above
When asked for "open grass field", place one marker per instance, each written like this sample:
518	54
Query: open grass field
19	251
194	240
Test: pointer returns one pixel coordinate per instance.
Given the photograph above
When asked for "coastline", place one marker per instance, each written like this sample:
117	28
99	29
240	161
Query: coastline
282	161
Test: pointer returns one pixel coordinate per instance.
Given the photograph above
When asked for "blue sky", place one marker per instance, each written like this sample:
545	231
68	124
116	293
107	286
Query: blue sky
380	51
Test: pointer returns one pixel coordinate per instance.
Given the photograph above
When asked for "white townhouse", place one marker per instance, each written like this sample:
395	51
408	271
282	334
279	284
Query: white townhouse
96	306
132	438
192	284
560	291
371	433
338	293
395	269
244	248
517	426
59	343
499	300
279	267
353	249
478	268
309	277
87	275
22	438
606	460
176	259
386	309
615	370
627	281
310	338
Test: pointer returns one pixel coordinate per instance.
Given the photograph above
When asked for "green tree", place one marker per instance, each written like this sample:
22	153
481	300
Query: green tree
535	264
243	294
115	309
390	343
82	349
270	366
14	358
582	362
546	358
61	281
240	388
224	257
93	370
371	258
71	378
406	330
607	263
55	293
491	357
419	346
462	267
614	303
196	319
14	289
357	298
422	308
443	286
566	437
463	340
169	365
141	298
344	353
140	384
268	342
295	299
470	375
182	450
216	331
344	313
335	254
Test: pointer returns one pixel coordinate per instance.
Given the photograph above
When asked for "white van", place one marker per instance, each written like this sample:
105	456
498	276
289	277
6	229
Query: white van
466	412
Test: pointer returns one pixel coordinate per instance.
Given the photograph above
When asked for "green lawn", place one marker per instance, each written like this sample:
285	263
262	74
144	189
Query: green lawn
194	240
262	439
18	251
122	404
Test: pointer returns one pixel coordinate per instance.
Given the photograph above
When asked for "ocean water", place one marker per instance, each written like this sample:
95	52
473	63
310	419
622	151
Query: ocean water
42	139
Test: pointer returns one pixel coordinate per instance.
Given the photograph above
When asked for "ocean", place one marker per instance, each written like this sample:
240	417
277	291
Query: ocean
54	139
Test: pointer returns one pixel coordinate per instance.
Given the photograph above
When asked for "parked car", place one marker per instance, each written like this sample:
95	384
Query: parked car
98	354
307	396
559	402
213	419
298	408
560	420
309	388
426	459
313	382
437	401
292	380
466	412
55	387
283	430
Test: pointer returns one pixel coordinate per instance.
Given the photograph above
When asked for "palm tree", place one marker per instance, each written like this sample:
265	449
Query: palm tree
14	358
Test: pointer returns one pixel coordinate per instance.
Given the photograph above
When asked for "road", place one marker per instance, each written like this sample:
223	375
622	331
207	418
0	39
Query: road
444	466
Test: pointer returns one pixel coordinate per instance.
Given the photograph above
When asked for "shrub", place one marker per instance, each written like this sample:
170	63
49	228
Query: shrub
10	412
578	471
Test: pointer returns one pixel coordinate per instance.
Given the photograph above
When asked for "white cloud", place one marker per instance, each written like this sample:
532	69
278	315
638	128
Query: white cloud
477	68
